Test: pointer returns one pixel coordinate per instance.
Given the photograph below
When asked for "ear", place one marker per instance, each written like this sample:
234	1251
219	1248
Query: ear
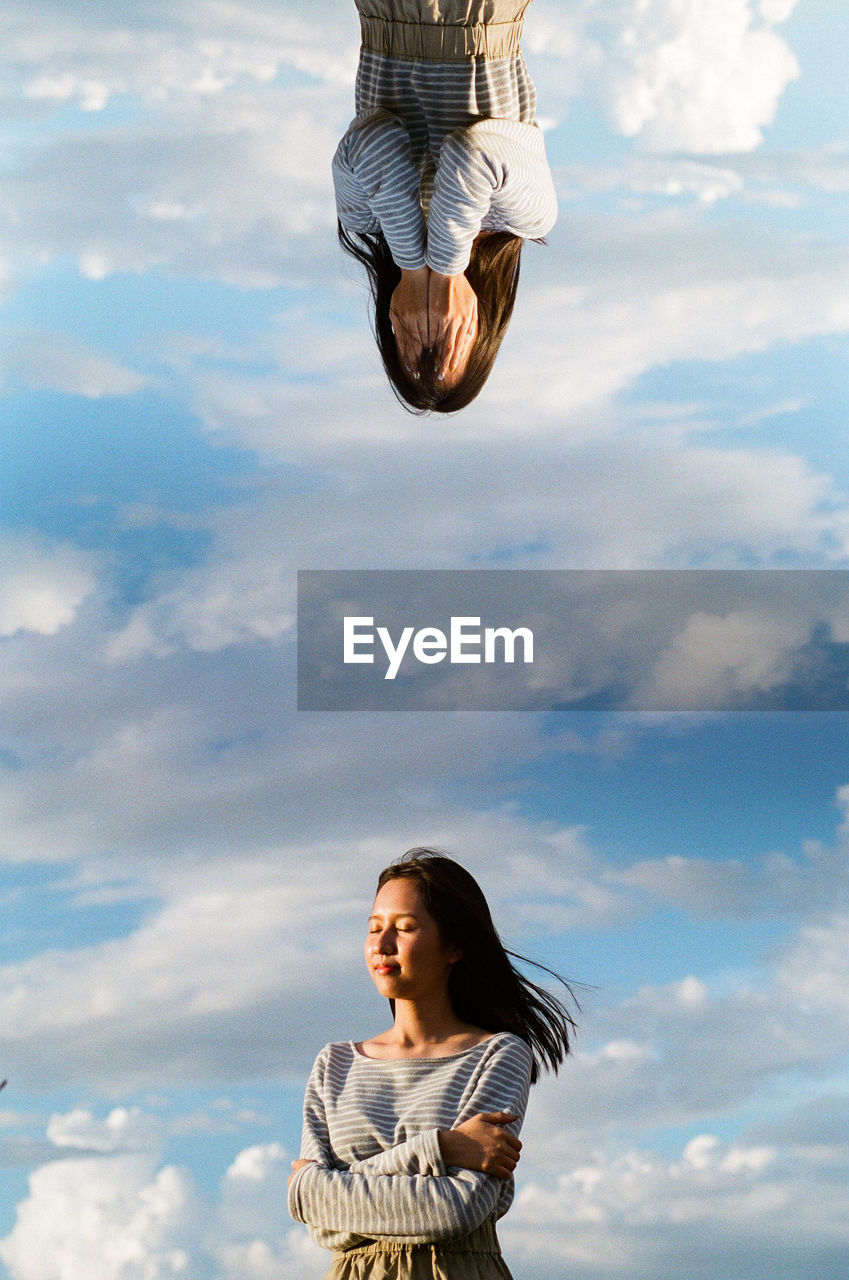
454	955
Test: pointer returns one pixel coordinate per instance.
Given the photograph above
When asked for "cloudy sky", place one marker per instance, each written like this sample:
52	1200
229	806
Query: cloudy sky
192	411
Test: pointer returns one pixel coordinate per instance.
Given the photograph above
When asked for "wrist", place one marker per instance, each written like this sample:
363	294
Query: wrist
447	1145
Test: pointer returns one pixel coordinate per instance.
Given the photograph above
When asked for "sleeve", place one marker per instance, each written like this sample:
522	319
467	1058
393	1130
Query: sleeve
343	1206
315	1136
377	186
493	166
419	1154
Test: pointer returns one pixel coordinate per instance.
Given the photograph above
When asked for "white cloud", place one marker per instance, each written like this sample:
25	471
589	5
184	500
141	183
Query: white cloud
815	970
718	657
41	587
617	1212
212	981
56	362
702	77
123	1129
160	52
716	1209
114	1218
100	197
131	1217
618	308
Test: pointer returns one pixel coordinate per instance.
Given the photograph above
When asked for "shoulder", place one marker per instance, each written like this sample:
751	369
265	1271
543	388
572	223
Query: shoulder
332	1056
485	134
509	1049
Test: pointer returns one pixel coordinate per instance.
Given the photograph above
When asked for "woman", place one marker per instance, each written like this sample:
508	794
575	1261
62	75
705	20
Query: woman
439	179
410	1137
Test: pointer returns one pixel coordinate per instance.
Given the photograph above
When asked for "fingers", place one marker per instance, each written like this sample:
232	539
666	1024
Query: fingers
408	316
500	1166
458	340
433	326
409	343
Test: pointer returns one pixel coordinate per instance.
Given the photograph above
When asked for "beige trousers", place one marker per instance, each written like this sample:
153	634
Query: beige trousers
472	1257
442	30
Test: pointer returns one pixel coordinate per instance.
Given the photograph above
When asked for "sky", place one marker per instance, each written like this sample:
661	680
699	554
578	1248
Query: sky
193	410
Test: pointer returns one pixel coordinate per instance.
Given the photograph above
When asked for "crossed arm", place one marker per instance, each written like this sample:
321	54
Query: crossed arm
436	1185
497	165
482	1143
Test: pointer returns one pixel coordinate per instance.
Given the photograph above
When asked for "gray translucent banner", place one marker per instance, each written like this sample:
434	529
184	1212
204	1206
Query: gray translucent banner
543	640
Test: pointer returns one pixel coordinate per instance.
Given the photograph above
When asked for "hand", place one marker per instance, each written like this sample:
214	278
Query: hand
452	320
408	315
482	1143
296	1165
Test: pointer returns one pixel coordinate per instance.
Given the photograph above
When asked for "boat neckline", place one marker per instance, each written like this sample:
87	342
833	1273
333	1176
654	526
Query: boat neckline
442	1057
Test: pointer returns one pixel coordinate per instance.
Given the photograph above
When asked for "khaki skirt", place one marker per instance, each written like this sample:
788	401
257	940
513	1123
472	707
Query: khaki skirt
472	1257
442	30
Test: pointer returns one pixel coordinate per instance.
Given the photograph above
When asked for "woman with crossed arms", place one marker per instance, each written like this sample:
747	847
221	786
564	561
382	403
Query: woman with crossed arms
440	179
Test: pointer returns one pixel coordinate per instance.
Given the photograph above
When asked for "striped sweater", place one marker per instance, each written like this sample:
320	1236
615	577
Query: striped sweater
371	1125
439	151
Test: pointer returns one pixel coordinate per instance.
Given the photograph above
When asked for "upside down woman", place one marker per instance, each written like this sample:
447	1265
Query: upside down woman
411	1137
440	178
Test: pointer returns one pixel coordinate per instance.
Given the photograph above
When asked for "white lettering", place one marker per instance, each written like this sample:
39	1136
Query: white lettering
491	634
394	653
431	645
459	638
352	638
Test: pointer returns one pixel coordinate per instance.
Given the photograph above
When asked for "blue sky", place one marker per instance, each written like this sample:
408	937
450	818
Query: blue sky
192	410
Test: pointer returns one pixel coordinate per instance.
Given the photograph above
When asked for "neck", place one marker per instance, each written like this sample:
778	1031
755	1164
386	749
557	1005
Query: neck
419	1023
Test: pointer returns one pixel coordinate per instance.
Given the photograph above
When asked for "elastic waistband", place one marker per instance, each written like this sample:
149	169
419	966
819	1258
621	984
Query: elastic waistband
482	1240
440	42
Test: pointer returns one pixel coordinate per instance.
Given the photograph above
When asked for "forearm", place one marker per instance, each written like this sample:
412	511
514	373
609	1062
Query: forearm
403	1206
494	165
421	1154
377	185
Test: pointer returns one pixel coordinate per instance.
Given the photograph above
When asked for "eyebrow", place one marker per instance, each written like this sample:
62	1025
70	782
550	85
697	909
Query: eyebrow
397	915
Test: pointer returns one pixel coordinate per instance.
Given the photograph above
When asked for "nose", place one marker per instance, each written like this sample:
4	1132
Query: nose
385	942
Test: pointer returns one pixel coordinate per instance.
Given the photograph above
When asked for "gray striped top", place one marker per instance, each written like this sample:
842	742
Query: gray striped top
371	1125
439	151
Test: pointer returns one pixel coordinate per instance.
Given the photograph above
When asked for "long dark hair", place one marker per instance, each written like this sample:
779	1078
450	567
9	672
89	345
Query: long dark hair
493	273
485	988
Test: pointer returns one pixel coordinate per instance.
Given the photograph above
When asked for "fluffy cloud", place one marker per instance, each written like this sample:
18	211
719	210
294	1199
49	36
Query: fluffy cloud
57	363
212	982
704	77
123	1129
89	55
160	193
617	307
114	1218
124	1217
618	1212
41	587
713	1208
687	1053
716	658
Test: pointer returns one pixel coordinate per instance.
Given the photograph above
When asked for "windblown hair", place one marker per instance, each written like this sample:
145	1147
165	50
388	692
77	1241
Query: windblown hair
485	988
493	273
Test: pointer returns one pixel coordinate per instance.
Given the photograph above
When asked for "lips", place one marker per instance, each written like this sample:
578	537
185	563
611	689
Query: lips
387	968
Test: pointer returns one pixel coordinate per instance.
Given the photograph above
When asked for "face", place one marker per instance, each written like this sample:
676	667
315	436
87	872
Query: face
404	950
